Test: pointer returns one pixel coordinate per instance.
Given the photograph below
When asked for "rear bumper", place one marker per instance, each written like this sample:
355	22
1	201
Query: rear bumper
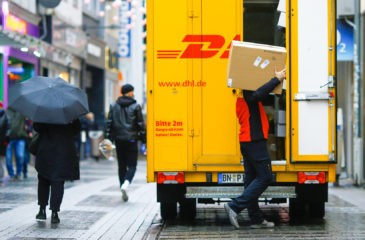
179	192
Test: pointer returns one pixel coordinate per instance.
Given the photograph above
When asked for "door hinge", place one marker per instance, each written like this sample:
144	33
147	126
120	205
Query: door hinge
191	132
191	14
331	157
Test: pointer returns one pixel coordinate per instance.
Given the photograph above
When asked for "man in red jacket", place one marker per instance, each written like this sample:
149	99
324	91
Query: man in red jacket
257	162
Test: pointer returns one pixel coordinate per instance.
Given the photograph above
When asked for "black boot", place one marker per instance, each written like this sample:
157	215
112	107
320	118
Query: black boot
55	218
41	216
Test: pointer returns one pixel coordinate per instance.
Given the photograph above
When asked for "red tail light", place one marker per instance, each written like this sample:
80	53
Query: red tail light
311	177
170	177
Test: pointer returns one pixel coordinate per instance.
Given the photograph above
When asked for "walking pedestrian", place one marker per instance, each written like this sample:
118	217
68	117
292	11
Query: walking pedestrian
125	126
3	130
56	162
257	163
29	129
17	135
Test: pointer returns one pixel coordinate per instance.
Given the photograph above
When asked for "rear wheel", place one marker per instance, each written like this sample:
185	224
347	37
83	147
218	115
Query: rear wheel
188	209
316	209
297	209
168	210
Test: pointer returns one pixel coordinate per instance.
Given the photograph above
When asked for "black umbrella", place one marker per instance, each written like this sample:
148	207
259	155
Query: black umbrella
48	100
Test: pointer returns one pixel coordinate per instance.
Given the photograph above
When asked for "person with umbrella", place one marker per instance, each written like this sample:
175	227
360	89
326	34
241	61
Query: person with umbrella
3	139
56	162
55	107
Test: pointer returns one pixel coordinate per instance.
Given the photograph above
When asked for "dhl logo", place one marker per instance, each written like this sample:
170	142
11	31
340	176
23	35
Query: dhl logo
201	46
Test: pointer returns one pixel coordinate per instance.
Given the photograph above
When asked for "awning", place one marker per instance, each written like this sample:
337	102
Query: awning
34	46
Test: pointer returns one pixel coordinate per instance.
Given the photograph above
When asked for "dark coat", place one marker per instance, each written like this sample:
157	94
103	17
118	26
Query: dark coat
56	153
251	113
125	121
3	131
16	125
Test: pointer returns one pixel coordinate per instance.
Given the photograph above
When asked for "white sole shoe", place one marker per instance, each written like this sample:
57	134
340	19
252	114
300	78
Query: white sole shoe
124	195
264	224
232	216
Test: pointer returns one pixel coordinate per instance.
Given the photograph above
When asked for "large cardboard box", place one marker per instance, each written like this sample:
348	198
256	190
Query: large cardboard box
251	65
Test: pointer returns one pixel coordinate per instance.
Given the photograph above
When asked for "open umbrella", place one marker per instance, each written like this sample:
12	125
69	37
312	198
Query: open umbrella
48	100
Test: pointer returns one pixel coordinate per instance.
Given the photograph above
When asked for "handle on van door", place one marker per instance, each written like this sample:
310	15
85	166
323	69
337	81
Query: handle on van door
234	91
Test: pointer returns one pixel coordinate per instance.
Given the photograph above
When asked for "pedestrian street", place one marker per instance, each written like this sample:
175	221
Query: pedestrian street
92	207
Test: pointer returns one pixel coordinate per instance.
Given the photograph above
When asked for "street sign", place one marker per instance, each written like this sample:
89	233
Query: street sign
124	44
345	41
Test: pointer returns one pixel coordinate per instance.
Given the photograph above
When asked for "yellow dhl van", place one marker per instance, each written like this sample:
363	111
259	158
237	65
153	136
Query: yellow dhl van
193	146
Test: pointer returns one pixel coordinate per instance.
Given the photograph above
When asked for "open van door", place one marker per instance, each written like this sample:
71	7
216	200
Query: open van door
312	91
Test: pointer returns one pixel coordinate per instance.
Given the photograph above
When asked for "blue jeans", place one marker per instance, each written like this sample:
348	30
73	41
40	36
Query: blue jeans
19	146
258	176
26	161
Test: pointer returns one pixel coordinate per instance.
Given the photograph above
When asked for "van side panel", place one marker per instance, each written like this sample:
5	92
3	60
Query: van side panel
170	96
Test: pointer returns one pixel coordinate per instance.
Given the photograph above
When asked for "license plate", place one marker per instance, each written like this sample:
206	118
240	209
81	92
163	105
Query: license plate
230	177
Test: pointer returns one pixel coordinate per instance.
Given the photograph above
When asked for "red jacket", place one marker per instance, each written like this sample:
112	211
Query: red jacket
251	113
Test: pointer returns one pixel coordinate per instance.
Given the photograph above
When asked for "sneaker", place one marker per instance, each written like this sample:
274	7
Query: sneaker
232	215
264	224
123	188
125	185
55	218
41	216
124	195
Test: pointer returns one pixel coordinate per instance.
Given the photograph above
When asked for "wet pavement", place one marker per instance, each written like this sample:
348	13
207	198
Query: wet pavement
92	207
343	220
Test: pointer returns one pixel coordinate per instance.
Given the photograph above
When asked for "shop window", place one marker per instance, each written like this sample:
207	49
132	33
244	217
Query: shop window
19	71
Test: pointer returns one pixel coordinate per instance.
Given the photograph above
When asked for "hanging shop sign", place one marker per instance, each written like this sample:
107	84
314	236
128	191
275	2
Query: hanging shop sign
345	41
12	23
111	59
95	53
15	24
124	44
93	50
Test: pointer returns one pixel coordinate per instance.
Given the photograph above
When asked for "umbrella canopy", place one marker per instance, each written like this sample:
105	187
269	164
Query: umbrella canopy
48	100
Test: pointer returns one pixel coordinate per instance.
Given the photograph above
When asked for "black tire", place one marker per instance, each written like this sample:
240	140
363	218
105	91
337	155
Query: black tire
188	209
316	210
297	209
168	210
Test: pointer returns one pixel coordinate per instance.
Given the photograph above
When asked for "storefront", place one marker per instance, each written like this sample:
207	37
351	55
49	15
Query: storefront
19	59
65	66
65	57
94	79
112	89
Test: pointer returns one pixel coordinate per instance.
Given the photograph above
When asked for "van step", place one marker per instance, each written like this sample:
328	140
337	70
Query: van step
232	192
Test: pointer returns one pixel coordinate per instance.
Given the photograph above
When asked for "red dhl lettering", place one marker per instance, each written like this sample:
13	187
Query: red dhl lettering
200	47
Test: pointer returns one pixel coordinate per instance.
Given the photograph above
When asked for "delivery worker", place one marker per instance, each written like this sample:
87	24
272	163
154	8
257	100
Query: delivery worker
253	140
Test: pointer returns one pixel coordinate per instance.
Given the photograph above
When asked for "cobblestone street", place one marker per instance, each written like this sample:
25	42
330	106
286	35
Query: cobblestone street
344	220
92	207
